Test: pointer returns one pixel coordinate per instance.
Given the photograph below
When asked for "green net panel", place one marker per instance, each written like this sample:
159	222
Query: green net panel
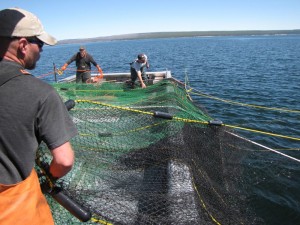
136	168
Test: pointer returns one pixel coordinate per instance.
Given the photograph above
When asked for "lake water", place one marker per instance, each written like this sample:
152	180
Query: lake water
256	70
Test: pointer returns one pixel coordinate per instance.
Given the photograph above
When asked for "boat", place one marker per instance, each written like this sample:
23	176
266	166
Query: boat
153	77
152	156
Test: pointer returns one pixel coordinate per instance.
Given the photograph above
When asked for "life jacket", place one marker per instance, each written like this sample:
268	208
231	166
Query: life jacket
24	203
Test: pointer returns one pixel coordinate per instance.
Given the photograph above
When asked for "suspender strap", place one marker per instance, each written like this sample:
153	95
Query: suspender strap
5	79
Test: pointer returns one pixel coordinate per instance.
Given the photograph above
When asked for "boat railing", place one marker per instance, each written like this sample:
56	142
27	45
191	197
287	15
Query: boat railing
153	77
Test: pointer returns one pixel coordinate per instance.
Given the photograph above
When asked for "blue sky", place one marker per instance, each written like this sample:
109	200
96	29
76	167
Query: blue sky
66	19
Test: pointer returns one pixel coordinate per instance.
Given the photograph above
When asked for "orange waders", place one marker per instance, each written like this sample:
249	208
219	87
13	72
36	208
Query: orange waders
24	203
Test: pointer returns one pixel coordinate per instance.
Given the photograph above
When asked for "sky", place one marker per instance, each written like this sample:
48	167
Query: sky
66	19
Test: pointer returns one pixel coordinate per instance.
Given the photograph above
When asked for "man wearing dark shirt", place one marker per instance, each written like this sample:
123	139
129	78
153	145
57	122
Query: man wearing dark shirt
83	63
31	112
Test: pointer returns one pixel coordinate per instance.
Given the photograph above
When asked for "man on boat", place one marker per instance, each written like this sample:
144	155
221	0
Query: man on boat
137	70
31	112
83	64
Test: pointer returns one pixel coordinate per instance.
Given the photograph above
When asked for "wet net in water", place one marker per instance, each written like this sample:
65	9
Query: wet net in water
150	156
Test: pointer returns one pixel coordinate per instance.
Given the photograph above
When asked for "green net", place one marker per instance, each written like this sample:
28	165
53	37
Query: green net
150	156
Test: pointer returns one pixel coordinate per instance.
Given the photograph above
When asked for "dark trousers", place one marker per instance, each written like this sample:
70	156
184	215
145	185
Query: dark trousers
82	76
134	75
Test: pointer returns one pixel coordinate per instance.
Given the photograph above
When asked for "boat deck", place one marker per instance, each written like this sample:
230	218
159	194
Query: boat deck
154	77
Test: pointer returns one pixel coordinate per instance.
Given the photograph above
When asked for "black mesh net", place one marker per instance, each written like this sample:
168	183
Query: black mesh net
133	167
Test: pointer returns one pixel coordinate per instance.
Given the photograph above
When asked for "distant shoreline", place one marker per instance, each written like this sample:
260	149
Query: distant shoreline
179	34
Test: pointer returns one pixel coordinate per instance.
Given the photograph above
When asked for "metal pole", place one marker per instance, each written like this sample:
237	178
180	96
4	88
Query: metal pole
54	69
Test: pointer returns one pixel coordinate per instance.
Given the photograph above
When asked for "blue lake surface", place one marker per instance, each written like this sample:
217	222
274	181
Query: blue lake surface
254	70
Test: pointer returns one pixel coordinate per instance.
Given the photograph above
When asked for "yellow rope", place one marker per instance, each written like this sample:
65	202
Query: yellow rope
100	221
203	204
263	132
189	120
114	106
247	105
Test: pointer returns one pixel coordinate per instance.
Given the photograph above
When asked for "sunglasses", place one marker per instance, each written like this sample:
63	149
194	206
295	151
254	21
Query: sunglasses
35	41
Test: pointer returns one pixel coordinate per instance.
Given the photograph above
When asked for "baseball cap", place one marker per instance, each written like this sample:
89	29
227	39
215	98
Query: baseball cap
142	56
16	22
81	48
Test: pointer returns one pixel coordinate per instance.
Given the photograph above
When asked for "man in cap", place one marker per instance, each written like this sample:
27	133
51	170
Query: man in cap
31	112
83	63
137	69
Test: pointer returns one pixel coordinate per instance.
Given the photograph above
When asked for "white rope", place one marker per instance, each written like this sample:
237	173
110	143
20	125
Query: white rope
270	149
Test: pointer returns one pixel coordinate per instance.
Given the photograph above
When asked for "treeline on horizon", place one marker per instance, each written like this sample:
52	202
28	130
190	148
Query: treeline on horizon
179	34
